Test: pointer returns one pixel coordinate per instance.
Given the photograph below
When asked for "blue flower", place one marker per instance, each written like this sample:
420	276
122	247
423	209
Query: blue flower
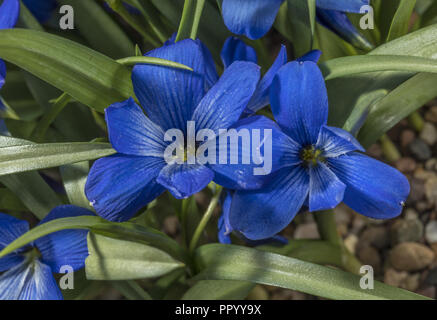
41	9
323	166
119	185
254	18
28	272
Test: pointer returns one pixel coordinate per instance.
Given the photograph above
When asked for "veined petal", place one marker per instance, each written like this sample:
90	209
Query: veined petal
170	95
224	227
2	73
11	229
29	281
131	132
66	247
260	98
211	75
342	5
250	18
335	142
119	185
313	56
225	101
263	213
339	23
326	190
235	49
9	12
373	188
238	171
299	101
184	180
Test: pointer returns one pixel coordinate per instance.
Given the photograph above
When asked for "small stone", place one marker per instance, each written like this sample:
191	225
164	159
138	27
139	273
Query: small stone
420	149
394	278
407	136
306	231
351	242
417	190
431	115
432	277
375	151
171	225
376	236
431	232
406	165
422	206
411	214
368	255
431	190
358	224
427	292
403	230
431	165
412	282
342	215
411	256
429	133
434	248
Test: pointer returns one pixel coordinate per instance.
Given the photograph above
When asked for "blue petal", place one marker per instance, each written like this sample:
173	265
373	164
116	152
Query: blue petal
170	95
241	175
313	56
9	12
339	23
262	214
184	180
29	281
3	129
299	101
66	247
326	190
335	142
260	98
2	73
211	75
225	101
373	188
251	18
131	132
11	229
118	186
235	49
224	226
343	5
41	9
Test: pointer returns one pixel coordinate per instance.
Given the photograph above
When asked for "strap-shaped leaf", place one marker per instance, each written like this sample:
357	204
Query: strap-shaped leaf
219	290
230	262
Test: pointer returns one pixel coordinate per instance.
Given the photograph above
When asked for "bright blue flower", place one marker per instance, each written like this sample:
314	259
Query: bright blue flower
119	185
254	18
323	166
41	9
28	272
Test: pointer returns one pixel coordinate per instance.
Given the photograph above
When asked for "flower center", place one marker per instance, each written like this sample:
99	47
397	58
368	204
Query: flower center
32	254
310	155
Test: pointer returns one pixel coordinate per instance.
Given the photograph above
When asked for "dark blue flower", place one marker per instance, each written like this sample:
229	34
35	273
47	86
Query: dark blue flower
41	9
119	185
324	167
254	18
28	272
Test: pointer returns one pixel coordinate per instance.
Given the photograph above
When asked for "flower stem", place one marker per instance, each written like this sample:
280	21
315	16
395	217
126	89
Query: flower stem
205	219
190	19
416	121
389	149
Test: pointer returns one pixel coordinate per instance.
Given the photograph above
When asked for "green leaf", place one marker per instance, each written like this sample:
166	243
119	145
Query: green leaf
9	201
190	19
131	290
401	20
130	61
88	76
219	290
229	262
301	16
114	259
347	66
125	231
74	177
30	157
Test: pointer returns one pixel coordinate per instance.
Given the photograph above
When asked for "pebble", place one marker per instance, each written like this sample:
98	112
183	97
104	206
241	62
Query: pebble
431	164
417	190
431	190
420	149
412	282
375	151
431	115
306	231
432	277
406	165
395	278
427	292
411	214
407	136
411	256
171	225
429	133
351	242
434	248
406	230
378	237
431	232
368	255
